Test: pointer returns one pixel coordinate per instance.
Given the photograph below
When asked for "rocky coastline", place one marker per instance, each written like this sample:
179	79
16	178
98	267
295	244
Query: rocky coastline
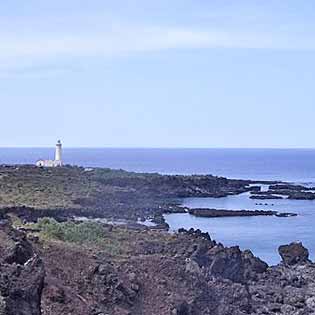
52	264
289	191
156	273
66	192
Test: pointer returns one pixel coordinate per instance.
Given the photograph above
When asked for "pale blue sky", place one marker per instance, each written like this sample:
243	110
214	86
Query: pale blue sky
180	73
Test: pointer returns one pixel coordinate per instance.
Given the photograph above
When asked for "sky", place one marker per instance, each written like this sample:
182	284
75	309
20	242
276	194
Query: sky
144	73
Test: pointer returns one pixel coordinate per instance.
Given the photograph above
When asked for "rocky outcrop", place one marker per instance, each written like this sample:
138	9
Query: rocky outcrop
22	274
224	262
231	263
243	284
216	213
294	253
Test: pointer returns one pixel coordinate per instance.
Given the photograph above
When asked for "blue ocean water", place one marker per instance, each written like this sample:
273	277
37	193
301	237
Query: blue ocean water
297	165
260	234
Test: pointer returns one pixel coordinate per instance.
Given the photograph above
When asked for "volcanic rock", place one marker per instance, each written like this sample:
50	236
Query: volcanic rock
294	253
22	274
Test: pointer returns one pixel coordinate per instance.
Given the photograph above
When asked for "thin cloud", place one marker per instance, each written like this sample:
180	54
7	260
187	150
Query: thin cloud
122	41
104	43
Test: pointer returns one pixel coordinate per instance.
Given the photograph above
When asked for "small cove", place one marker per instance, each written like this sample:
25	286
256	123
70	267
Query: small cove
261	234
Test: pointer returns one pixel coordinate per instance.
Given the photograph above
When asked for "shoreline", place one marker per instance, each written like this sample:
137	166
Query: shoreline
118	269
149	195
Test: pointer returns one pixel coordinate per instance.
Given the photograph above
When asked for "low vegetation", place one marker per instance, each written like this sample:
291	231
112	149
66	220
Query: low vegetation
46	188
80	233
118	241
89	234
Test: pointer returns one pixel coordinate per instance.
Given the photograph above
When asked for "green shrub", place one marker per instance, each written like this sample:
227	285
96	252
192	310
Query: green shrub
90	232
86	232
51	228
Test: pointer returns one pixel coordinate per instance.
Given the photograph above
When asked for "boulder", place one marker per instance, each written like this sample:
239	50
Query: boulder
231	263
293	254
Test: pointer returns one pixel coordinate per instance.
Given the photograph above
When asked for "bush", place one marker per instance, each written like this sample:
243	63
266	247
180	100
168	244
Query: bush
86	232
51	228
83	232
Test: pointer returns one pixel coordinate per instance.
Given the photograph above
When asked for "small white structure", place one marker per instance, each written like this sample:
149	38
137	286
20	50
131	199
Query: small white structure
53	163
58	153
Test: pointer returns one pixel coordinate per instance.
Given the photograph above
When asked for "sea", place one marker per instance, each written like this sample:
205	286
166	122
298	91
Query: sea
262	235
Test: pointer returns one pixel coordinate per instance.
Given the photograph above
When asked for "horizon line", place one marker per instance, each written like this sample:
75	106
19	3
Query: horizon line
157	148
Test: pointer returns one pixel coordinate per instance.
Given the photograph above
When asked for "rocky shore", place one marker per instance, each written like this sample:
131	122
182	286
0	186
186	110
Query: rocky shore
32	192
52	264
140	272
289	191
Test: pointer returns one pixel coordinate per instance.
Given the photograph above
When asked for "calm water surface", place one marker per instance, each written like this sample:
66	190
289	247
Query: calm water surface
263	234
260	234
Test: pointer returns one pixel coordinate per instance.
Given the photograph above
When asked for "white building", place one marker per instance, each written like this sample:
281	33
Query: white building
53	163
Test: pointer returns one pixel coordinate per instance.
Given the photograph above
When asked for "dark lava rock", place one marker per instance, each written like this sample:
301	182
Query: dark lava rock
287	187
19	253
224	262
216	213
253	265
196	233
227	263
231	263
294	253
22	275
108	283
285	214
255	188
301	195
265	197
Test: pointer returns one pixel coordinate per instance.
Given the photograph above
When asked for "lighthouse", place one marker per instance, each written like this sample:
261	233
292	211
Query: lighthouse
58	154
53	163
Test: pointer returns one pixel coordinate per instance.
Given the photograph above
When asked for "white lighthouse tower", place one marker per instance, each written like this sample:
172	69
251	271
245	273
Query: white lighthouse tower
58	154
53	163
